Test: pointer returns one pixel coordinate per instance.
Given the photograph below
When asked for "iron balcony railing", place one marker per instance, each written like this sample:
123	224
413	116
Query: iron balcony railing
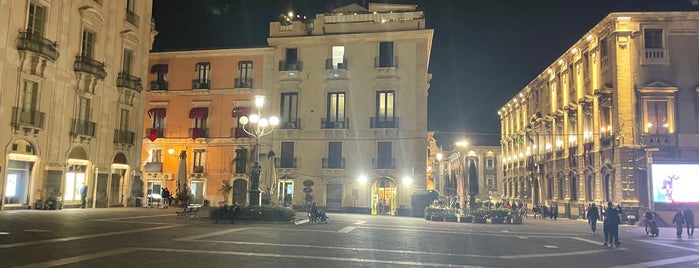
132	18
386	62
122	136
340	65
129	81
38	44
383	163
290	124
238	132
337	163
198	169
198	133
200	84
87	65
295	65
383	122
83	127
158	85
244	82
161	132
340	123
285	162
24	117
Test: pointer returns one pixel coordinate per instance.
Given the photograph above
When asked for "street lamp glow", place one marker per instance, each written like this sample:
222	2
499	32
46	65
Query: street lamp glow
407	180
462	143
439	156
171	151
274	120
362	179
254	118
259	101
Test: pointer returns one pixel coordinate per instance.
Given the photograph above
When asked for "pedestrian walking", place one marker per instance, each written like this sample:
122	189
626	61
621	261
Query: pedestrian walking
554	212
83	195
592	217
611	226
165	196
678	220
689	221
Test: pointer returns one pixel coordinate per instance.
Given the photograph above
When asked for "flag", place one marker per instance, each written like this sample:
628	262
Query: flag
153	134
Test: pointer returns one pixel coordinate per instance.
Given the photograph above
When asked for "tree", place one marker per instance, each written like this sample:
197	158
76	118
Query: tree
225	190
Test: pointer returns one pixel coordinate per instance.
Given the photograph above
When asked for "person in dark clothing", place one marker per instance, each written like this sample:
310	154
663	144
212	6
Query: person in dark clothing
165	195
592	217
611	226
647	220
554	212
678	220
689	221
83	195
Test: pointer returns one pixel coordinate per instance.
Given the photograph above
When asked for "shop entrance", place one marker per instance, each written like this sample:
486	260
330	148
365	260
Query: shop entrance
384	197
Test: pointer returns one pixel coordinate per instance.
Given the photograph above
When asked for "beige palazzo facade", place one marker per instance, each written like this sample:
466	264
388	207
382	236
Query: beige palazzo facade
622	99
70	80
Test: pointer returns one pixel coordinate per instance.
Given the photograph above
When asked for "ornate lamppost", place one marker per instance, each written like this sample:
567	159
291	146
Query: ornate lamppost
257	126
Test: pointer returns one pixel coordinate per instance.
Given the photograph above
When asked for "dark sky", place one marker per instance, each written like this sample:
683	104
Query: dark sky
483	52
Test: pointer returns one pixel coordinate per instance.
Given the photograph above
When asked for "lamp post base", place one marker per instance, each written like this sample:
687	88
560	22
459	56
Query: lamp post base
254	191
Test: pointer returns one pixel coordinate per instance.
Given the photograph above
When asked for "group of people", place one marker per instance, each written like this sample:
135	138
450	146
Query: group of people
611	218
165	198
546	212
685	217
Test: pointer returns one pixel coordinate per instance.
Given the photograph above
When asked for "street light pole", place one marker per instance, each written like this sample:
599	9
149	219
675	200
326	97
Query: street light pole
649	176
257	126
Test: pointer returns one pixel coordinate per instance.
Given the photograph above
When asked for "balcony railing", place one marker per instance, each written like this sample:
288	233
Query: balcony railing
160	131
31	118
238	132
37	44
244	82
285	162
198	133
339	66
153	167
83	127
383	122
296	65
337	163
342	123
87	65
380	163
201	84
290	124
132	18
198	169
158	85
659	140
123	136
386	62
129	81
653	54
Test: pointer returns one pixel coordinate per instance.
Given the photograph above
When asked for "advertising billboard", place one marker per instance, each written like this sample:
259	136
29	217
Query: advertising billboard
675	183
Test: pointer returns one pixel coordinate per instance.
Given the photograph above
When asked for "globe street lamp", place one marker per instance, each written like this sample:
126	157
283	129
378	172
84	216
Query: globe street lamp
257	126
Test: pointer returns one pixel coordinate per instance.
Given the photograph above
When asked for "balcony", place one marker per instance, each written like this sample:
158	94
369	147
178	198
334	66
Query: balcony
198	169
285	162
383	122
129	81
381	163
238	132
90	66
245	82
655	56
290	124
83	127
201	84
158	85
158	132
339	66
195	133
153	167
334	123
27	118
123	137
295	65
388	62
336	163
39	45
132	18
659	140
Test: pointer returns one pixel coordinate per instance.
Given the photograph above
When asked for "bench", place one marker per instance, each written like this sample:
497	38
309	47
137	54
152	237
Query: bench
224	213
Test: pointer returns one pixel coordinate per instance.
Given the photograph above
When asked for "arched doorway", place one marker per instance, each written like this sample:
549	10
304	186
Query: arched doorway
573	186
117	180
18	179
608	183
560	194
384	196
286	191
77	167
589	185
549	187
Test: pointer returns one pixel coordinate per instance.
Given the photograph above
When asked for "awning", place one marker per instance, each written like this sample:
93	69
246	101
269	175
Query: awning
159	68
153	111
199	113
240	111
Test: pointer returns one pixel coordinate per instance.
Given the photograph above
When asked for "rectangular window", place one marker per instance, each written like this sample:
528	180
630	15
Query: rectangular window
384	105
198	161
36	21
386	58
84	109
605	121
159	120
199	123
130	5
128	61
124	120
338	57
88	44
30	92
384	155
287	155
241	161
203	69
336	107
657	117
334	154
653	38
245	74
490	163
156	155
289	110
291	55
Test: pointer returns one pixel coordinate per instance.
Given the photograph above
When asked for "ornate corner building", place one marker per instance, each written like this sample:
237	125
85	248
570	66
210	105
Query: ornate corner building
587	128
72	98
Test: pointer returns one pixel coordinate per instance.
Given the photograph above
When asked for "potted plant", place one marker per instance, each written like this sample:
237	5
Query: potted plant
465	215
225	190
450	215
499	215
479	216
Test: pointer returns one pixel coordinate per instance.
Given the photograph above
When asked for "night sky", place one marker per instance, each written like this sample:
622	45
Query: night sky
483	52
